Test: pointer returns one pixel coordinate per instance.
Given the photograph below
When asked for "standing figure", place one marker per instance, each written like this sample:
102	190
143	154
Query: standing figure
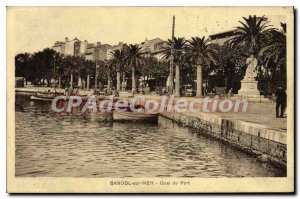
280	101
230	92
214	91
76	91
67	91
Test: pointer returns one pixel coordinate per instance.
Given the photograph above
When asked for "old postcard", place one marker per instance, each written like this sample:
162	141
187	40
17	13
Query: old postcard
150	99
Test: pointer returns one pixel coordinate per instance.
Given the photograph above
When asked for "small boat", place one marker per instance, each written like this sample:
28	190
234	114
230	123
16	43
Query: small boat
34	97
44	96
50	97
135	117
116	105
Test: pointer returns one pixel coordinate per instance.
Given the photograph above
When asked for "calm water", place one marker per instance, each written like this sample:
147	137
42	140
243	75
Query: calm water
78	145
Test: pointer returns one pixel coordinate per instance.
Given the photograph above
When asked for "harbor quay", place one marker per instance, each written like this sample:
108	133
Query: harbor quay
256	131
268	144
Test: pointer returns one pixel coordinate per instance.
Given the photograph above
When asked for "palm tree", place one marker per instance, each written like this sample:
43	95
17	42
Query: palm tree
202	53
252	33
86	70
108	68
71	66
178	54
274	52
118	61
57	65
275	49
134	57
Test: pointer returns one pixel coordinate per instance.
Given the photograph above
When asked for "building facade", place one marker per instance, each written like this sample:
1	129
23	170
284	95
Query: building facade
75	47
70	47
153	47
97	51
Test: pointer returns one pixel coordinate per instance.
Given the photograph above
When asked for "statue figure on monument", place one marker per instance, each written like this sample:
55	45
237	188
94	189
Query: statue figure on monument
251	72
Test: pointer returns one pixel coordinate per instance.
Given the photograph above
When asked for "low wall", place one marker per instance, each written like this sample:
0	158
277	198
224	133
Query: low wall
266	144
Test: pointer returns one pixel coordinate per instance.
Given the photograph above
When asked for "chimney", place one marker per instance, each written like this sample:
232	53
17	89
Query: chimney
66	39
98	43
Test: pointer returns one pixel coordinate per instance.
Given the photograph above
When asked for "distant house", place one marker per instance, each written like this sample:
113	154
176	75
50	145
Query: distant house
75	47
97	51
222	37
153	47
19	81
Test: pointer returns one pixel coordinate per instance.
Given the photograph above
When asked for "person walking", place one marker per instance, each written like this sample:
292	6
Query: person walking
280	101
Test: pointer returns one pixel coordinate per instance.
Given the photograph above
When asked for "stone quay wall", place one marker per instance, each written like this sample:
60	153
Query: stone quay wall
267	144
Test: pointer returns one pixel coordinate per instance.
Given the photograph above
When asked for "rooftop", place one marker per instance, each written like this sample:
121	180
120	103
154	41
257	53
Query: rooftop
223	34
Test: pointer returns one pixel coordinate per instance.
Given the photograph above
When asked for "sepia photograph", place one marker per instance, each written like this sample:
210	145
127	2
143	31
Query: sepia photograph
150	99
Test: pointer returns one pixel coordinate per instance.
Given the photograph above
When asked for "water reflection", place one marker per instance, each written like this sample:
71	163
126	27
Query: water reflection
79	145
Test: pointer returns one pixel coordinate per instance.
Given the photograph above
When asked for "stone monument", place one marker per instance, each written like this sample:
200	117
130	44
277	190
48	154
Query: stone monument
249	84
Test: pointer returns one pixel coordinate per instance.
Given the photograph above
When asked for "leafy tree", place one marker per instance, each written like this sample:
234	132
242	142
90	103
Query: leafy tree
23	66
42	66
231	63
152	68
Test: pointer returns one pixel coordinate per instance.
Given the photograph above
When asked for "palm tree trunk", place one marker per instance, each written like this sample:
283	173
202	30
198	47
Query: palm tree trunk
79	83
108	83
88	82
171	77
71	80
177	85
123	82
118	81
59	82
133	79
199	81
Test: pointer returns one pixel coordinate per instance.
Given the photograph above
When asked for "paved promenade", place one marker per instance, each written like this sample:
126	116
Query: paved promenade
258	113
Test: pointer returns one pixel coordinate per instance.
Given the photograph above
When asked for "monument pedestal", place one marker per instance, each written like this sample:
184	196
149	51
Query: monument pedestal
249	88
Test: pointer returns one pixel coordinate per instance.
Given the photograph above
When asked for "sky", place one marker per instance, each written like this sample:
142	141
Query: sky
31	29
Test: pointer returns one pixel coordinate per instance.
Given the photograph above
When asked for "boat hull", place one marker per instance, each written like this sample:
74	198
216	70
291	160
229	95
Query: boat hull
32	97
40	97
135	117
